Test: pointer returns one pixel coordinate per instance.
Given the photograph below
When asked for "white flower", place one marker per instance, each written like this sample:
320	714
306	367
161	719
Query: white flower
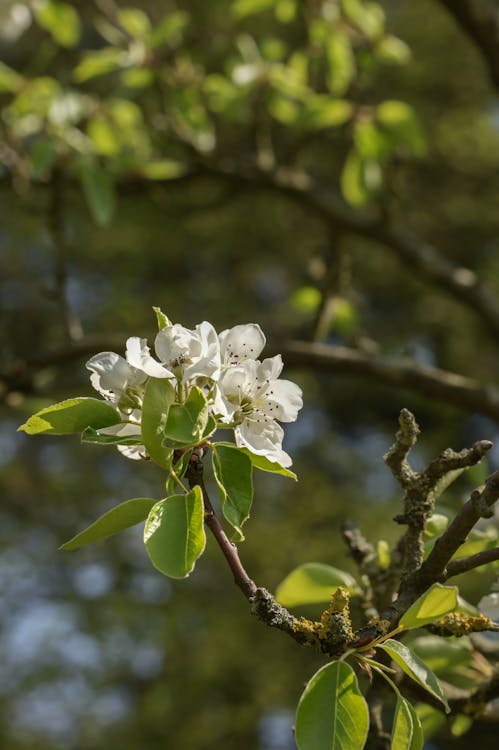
182	353
251	397
115	379
240	343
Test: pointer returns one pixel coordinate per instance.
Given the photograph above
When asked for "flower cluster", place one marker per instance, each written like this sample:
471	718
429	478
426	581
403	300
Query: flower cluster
243	393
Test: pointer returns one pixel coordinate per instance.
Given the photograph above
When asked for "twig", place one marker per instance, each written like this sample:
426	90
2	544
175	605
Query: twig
479	505
456	567
241	578
405	439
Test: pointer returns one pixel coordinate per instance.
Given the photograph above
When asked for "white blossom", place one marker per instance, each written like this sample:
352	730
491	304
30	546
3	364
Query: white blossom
251	397
240	343
127	429
114	378
183	353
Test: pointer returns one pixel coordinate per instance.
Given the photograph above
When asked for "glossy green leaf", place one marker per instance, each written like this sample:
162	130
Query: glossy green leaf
10	80
433	604
312	583
135	22
406	731
92	436
233	473
61	21
415	668
186	423
332	713
72	416
450	658
262	463
159	395
98	187
174	533
115	520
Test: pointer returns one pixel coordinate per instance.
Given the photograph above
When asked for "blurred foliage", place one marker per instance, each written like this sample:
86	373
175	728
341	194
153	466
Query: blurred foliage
121	123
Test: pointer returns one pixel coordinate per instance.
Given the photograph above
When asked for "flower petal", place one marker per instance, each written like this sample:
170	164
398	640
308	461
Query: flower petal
241	342
138	355
264	438
270	368
283	400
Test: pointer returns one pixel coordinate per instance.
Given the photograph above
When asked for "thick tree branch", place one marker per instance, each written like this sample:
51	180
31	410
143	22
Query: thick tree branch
479	19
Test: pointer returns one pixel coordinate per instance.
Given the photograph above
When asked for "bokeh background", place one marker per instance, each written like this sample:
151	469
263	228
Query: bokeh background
149	179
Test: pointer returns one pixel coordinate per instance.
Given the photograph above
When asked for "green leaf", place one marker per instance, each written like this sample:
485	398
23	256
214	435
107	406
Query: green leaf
312	583
163	169
60	20
174	533
99	63
170	29
233	474
244	8
436	525
135	22
162	319
115	520
460	725
158	396
98	187
341	63
186	423
400	122
42	157
359	179
433	604
406	731
391	50
92	436
322	111
10	80
332	713
414	668
262	463
71	416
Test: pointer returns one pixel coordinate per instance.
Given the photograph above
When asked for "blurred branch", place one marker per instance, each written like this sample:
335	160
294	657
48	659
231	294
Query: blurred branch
479	19
417	255
431	382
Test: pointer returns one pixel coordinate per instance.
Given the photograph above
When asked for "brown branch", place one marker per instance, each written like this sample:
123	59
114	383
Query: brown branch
456	567
479	505
479	19
405	439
